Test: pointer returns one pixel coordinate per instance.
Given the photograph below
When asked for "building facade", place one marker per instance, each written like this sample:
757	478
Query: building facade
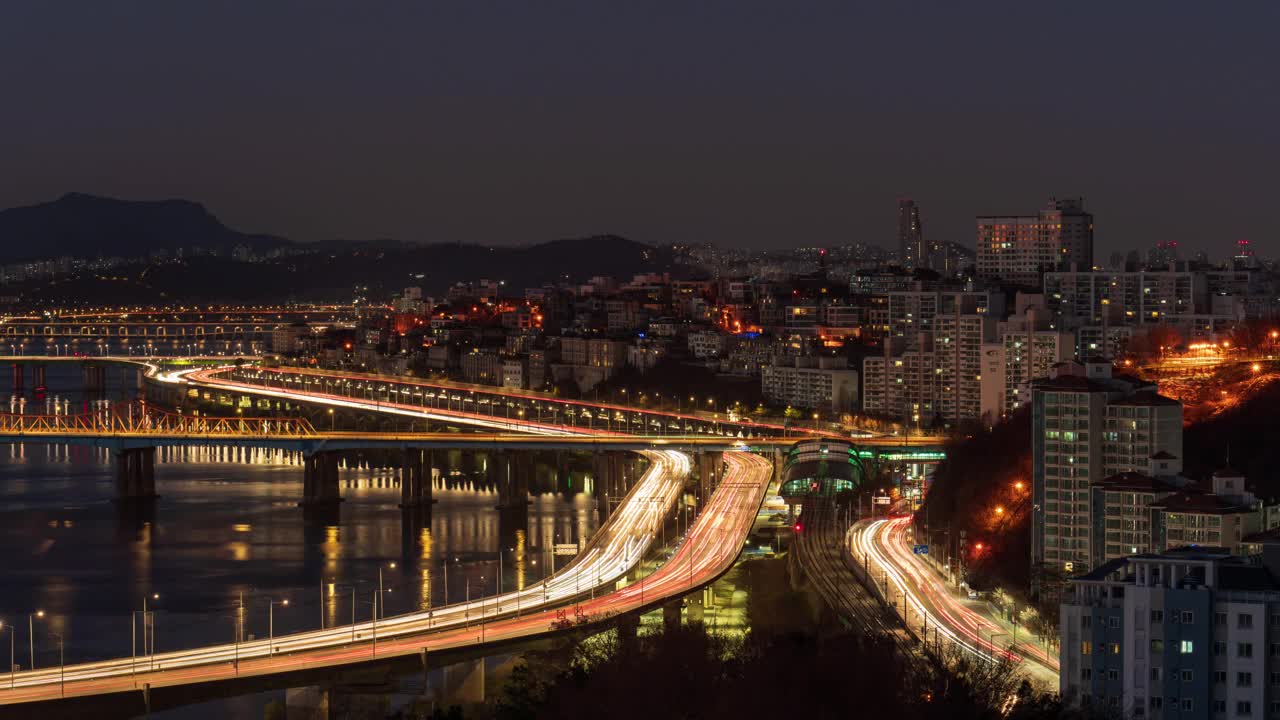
827	387
1087	425
1020	249
1191	633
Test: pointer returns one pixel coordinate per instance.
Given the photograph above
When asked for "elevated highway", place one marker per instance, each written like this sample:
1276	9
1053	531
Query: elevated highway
711	546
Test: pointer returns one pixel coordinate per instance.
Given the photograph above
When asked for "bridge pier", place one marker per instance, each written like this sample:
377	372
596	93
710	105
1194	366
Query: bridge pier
135	473
94	377
38	371
467	463
671	615
320	479
604	467
708	473
19	378
513	481
416	476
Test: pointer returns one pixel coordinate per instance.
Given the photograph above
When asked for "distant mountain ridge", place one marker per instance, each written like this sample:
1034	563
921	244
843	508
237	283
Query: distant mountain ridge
85	226
88	226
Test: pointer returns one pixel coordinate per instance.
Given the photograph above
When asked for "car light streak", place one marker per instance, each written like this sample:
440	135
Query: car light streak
711	546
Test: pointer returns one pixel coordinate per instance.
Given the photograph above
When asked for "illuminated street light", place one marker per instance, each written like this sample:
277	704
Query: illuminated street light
271	623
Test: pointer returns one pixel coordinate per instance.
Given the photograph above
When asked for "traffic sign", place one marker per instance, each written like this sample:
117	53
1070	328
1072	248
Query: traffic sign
920	549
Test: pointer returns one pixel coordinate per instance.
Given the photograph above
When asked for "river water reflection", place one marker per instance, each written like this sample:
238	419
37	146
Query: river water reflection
227	526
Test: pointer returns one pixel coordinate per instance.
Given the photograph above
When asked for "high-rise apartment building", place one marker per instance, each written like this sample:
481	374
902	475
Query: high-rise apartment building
1088	425
938	375
905	314
1190	633
825	384
1020	249
912	251
1026	349
1200	303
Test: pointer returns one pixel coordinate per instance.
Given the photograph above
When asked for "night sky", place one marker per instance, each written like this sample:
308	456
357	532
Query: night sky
777	123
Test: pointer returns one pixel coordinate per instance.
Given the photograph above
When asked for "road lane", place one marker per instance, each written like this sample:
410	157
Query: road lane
708	550
882	546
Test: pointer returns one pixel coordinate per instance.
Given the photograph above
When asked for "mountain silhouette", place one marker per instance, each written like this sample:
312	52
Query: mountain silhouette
88	226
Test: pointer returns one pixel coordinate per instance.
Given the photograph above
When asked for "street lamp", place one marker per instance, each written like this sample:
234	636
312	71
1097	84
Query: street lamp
13	633
381	609
271	623
31	634
133	633
374	610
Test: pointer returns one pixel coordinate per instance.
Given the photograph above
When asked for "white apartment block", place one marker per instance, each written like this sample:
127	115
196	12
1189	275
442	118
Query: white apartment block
1187	634
941	376
1088	425
830	388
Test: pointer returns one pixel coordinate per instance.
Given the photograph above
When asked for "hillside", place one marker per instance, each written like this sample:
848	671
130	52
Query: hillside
86	226
385	268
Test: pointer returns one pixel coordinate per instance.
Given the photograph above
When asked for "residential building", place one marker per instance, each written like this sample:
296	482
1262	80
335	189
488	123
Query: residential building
1088	424
912	251
906	314
1020	249
286	338
1029	350
820	384
515	372
480	366
1189	633
709	344
939	375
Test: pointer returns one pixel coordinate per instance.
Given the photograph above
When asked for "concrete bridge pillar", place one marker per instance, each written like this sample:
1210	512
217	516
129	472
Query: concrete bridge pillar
604	466
135	473
671	615
415	478
559	469
708	472
464	683
320	479
94	376
516	471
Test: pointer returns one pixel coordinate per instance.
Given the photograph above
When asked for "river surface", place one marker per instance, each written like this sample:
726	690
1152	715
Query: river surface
227	529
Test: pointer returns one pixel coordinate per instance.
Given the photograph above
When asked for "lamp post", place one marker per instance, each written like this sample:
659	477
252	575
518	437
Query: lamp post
271	623
148	638
31	634
13	633
381	608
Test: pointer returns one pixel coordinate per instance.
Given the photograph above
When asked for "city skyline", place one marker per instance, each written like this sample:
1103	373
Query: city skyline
738	125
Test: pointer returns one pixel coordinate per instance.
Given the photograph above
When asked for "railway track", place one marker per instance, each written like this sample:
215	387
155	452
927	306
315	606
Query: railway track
819	552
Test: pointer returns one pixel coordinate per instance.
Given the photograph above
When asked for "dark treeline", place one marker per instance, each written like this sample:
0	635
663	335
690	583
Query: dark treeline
688	672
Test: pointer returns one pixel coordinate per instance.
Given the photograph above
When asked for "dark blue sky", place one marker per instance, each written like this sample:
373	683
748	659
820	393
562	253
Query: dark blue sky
778	123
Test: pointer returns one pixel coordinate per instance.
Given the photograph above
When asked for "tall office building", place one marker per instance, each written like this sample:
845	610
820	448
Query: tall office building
912	251
1088	425
1020	249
